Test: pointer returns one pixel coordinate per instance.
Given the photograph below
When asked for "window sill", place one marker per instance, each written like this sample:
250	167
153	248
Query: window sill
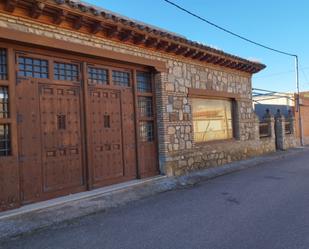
215	142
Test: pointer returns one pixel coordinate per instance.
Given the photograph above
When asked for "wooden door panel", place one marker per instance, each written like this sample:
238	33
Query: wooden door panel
61	137
29	139
106	134
147	159
129	138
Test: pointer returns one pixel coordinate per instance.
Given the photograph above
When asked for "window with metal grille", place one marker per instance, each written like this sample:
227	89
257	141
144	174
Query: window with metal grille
5	140
4	102
143	82
97	76
61	122
145	106
3	64
66	71
121	78
32	67
107	121
146	131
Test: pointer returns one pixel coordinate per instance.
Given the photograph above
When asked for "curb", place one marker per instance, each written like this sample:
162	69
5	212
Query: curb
17	222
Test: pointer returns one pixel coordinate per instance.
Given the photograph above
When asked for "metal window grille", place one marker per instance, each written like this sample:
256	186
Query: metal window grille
31	67
144	82
3	64
4	102
288	128
146	131
97	76
107	121
5	140
264	129
61	122
145	106
66	71
121	78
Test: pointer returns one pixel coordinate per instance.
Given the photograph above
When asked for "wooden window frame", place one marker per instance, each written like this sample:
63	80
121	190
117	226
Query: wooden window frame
5	64
65	61
11	121
123	70
218	95
97	67
32	58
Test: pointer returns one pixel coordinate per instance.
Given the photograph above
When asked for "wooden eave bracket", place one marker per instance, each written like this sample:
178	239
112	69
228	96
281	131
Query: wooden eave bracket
126	35
10	5
190	53
115	28
97	27
181	50
60	16
78	22
151	42
162	45
113	32
36	10
172	47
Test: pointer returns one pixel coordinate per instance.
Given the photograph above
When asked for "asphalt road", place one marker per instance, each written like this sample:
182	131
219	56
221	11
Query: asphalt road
262	207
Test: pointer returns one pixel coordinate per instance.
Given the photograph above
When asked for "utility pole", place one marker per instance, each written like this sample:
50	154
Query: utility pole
301	135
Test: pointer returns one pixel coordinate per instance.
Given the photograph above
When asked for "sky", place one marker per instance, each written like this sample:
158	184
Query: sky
283	25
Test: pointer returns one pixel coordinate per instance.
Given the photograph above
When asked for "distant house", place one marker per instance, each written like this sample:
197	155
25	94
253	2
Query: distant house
285	103
273	102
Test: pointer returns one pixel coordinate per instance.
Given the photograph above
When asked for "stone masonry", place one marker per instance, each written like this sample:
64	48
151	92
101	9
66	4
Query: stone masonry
178	153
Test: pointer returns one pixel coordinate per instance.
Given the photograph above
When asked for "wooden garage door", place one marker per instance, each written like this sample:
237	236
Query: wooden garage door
49	127
111	122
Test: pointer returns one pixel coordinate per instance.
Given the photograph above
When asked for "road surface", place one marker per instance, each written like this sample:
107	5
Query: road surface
262	207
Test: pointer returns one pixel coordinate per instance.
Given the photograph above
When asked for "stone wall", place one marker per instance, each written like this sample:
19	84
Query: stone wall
178	152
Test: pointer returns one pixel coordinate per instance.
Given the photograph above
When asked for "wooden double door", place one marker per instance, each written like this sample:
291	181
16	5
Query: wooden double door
75	131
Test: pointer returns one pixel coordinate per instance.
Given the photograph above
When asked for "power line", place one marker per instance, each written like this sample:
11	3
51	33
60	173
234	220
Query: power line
279	73
257	44
305	75
228	31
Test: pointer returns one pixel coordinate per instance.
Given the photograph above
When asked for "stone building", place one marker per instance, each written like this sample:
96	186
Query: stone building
89	98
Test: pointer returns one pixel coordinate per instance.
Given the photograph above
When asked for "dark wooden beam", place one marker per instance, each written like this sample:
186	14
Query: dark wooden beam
97	27
172	47
10	5
226	62
181	50
162	45
198	55
249	68
59	16
113	32
190	52
213	59
206	57
127	35
220	61
36	10
139	39
239	65
152	42
232	65
78	22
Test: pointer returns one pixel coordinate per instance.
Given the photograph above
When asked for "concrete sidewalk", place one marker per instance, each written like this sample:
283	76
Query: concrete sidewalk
40	215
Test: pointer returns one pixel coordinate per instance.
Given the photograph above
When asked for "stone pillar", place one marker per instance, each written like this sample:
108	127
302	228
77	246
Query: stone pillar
256	127
291	120
280	130
161	100
269	118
